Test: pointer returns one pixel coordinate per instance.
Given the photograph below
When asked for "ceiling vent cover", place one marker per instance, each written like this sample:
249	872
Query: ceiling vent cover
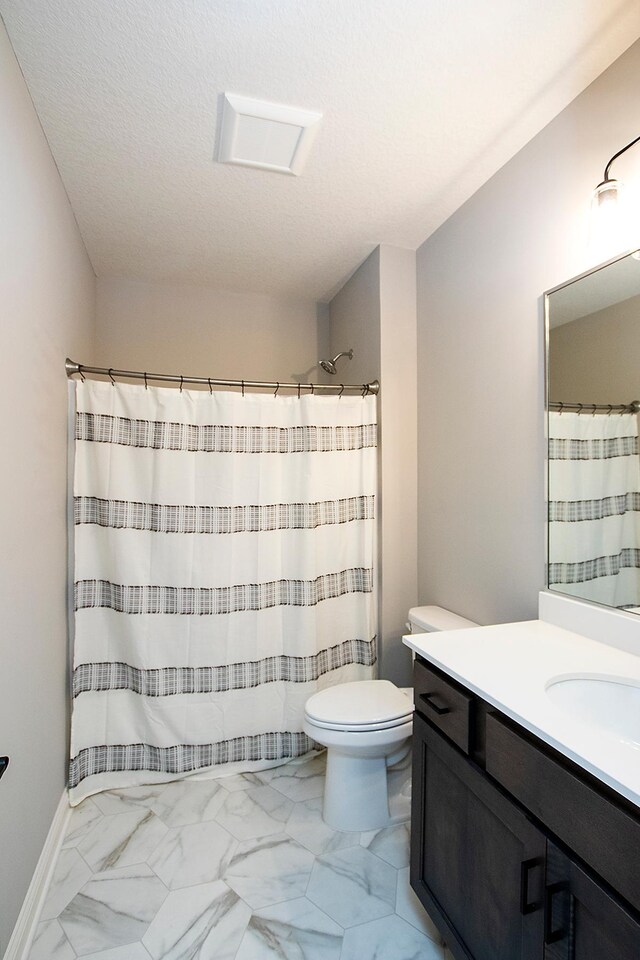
270	136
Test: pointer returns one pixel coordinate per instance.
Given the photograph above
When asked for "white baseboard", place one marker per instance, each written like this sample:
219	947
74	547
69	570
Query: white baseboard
25	928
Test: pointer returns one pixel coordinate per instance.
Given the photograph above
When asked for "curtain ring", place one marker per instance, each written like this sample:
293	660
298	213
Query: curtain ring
561	405
365	390
242	382
113	383
595	407
145	381
341	390
610	409
298	391
580	406
275	393
313	389
181	382
210	387
82	376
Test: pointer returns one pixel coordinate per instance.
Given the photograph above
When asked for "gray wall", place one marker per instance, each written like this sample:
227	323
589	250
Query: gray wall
399	456
47	296
596	359
375	314
480	353
355	323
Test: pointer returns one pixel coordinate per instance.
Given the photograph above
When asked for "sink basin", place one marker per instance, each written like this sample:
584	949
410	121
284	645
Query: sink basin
610	703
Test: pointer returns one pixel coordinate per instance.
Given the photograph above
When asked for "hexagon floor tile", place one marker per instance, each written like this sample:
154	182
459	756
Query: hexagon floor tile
207	922
353	886
241	868
254	813
114	908
389	937
390	844
290	931
121	840
306	825
298	781
269	870
197	853
50	943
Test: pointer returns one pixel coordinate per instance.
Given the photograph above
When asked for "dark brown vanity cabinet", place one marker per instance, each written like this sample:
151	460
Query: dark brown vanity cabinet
497	880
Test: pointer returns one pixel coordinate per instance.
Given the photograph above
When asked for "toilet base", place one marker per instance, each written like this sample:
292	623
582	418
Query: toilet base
355	794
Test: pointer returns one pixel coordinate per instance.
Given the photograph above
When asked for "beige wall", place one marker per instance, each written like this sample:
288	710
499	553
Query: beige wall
480	354
596	359
204	331
375	314
47	294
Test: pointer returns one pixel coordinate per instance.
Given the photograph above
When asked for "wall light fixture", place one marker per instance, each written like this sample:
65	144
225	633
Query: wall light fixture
610	216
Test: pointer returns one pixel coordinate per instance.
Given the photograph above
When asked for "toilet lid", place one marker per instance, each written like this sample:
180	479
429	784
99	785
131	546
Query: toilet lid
364	703
357	727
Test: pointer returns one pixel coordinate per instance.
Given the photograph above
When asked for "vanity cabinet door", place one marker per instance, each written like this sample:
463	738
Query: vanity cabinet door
572	805
477	862
583	920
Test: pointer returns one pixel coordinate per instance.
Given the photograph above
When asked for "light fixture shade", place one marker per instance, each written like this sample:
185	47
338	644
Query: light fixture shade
610	227
608	194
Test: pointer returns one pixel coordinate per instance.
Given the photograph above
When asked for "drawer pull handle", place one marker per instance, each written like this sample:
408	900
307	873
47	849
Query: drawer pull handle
553	890
526	867
431	701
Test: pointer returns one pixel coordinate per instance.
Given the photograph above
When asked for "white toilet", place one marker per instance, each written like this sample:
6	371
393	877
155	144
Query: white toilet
366	727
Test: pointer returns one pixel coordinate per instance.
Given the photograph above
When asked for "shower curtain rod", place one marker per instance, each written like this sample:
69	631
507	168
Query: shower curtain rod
633	407
364	388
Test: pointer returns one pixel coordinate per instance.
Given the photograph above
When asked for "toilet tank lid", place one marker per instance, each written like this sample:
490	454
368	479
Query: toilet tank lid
437	618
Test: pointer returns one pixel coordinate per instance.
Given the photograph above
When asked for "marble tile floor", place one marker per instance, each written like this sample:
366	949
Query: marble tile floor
241	868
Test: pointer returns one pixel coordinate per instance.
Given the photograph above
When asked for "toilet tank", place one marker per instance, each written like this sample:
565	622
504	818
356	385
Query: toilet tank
432	619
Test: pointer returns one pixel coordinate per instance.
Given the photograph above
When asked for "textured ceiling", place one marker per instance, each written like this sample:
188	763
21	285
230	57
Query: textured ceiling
423	101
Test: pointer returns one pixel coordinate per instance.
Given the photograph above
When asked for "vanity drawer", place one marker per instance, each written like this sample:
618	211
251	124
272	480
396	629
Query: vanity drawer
600	830
444	704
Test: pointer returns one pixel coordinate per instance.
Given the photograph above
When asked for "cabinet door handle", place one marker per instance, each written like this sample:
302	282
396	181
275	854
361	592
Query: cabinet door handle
527	906
431	700
552	891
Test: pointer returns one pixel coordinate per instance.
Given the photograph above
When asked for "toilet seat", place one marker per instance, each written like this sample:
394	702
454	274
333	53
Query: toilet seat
360	727
359	707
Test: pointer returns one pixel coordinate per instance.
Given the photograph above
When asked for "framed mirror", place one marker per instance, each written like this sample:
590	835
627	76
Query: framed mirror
593	400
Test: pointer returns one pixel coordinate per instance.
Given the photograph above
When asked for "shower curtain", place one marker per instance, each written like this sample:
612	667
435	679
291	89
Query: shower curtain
594	507
224	571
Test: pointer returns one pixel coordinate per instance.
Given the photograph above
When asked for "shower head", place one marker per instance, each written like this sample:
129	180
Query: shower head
330	365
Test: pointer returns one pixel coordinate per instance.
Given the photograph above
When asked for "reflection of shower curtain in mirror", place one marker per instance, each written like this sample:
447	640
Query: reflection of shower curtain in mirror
594	507
224	551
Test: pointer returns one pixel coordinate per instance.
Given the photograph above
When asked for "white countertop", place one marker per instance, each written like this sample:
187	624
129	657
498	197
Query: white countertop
510	665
